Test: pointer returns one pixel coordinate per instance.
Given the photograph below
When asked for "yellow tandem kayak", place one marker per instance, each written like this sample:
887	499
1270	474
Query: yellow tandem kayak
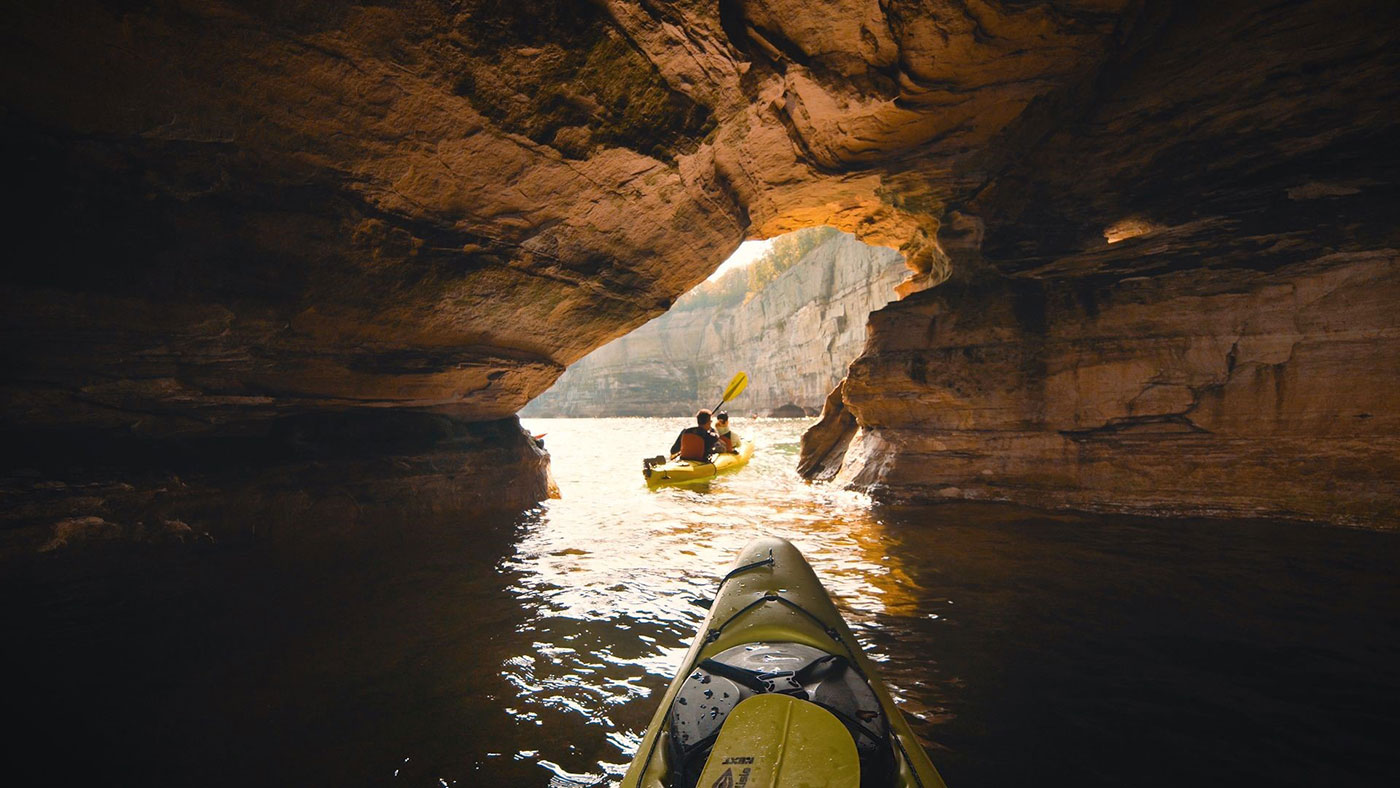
691	471
775	691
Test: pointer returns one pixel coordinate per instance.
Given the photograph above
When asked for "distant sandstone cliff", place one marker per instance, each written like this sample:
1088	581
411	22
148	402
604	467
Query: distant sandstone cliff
794	338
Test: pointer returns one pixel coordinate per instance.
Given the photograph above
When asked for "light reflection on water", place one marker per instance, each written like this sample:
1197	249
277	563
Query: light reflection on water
371	646
613	557
1018	643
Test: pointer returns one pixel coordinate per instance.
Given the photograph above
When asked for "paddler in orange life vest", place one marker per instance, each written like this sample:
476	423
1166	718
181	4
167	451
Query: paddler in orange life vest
727	440
696	443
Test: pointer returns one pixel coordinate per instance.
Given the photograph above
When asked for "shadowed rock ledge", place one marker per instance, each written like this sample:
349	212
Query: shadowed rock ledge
318	474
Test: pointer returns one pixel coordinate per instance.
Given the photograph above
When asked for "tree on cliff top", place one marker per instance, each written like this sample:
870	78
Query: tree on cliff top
741	284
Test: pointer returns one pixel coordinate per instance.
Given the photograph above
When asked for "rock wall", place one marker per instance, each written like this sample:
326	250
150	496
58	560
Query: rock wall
239	211
794	339
1178	303
1271	394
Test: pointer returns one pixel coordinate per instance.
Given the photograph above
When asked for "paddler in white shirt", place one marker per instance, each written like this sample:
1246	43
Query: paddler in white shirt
728	440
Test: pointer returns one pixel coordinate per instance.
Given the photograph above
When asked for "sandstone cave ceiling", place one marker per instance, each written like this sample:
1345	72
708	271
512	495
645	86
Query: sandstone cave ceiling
235	209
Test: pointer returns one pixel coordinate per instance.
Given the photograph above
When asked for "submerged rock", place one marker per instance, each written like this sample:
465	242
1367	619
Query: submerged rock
74	531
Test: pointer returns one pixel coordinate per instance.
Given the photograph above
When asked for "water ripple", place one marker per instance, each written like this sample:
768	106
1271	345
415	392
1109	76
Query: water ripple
614	569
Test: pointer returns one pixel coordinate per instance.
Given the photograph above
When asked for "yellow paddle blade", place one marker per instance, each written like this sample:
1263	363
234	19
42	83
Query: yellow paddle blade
736	386
778	741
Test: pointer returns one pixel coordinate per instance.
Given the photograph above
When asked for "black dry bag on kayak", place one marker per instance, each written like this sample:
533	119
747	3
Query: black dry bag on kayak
717	685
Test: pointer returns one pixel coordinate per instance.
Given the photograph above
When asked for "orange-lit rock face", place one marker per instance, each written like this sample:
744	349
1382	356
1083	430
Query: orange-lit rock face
247	206
242	209
1262	394
1179	300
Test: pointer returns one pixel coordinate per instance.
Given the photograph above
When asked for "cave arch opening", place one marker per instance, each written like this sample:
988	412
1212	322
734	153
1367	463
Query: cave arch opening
790	313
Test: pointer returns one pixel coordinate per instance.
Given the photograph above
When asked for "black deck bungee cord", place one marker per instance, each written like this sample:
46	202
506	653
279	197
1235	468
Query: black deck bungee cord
746	567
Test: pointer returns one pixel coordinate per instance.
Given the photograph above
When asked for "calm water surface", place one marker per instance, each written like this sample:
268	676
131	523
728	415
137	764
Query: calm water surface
453	650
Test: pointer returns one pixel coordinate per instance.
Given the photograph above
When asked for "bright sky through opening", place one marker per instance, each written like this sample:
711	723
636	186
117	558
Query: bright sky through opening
747	252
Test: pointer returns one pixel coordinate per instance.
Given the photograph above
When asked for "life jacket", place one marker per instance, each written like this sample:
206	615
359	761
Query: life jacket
692	447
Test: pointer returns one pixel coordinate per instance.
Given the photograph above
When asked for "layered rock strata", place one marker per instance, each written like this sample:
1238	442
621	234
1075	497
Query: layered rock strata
239	211
248	208
1180	302
1271	394
794	338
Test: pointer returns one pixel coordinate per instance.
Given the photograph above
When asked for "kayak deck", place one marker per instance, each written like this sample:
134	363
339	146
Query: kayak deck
772	599
691	471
